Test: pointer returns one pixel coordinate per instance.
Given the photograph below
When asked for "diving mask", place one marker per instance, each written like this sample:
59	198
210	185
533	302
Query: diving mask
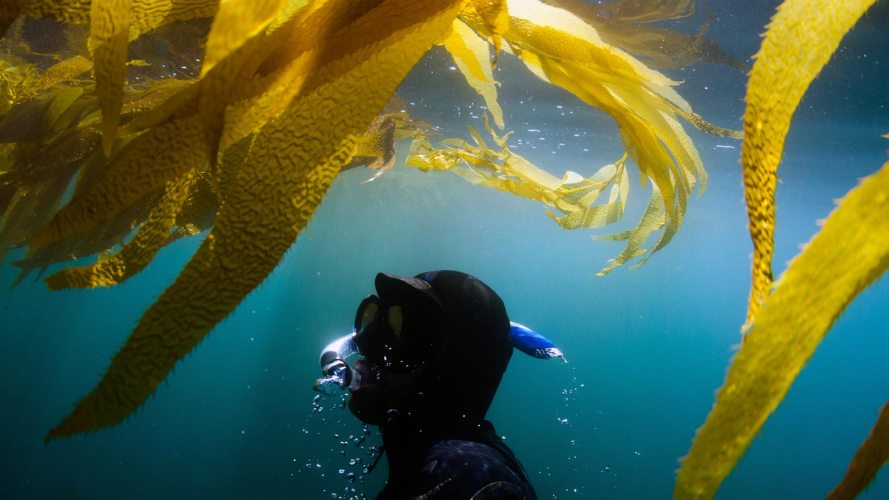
375	333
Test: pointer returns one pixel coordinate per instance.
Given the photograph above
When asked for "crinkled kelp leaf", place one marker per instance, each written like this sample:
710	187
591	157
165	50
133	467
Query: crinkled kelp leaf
376	148
501	169
472	57
873	454
495	15
849	253
98	240
236	46
801	38
109	37
37	181
150	14
294	159
146	15
625	25
137	253
266	65
20	82
144	165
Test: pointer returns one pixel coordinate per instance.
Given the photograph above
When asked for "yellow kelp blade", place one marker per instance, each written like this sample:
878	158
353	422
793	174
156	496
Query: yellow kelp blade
646	11
109	32
136	254
293	160
376	147
108	234
39	178
653	219
584	193
849	253
66	11
563	50
473	59
38	120
625	26
495	15
573	195
144	165
235	23
801	38
145	16
236	46
873	454
54	75
150	14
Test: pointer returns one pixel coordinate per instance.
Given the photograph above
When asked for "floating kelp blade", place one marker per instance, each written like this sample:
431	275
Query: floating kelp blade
849	253
136	254
873	454
842	259
626	24
472	57
109	32
559	48
495	14
802	37
293	160
271	100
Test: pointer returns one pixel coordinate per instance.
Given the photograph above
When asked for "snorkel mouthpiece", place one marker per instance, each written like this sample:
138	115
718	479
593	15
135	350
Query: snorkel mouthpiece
338	375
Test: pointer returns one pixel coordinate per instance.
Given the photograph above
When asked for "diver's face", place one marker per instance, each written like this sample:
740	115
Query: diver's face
391	365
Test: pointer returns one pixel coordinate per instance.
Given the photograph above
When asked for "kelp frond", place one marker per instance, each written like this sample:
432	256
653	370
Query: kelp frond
573	195
849	253
563	50
799	43
293	160
626	24
164	118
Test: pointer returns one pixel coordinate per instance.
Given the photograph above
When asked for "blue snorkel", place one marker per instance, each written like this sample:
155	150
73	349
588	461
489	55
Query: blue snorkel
532	343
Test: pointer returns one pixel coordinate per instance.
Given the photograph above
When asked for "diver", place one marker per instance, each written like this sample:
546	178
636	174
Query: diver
433	350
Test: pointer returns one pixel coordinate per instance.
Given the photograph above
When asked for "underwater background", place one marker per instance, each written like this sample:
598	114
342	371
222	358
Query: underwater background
647	348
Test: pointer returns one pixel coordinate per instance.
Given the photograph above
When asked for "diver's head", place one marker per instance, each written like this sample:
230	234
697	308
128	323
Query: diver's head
434	350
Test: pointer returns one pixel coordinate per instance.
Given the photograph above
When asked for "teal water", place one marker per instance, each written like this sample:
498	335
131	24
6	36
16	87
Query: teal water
647	347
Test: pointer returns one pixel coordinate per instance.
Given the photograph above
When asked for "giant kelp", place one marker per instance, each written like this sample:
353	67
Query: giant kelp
628	24
850	252
246	146
561	49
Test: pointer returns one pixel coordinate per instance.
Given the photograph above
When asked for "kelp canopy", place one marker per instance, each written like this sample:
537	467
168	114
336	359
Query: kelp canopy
110	148
127	124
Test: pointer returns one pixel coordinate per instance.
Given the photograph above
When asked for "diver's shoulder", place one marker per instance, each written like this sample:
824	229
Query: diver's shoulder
468	469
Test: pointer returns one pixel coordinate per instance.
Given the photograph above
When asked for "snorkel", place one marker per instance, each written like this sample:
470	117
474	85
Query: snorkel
338	375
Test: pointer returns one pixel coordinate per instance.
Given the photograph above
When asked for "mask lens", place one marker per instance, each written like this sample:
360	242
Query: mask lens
366	312
396	320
